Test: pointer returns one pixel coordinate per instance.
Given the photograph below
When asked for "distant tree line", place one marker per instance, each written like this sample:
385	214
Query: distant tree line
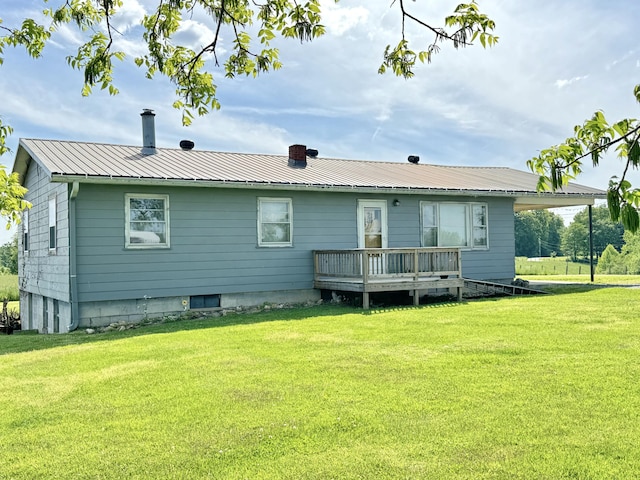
541	233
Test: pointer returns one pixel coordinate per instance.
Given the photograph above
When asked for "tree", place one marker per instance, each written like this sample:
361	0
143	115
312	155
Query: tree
9	255
605	231
253	27
575	241
538	233
611	262
631	252
559	164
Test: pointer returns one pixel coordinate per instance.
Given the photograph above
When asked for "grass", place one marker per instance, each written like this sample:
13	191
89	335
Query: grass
550	266
513	388
598	279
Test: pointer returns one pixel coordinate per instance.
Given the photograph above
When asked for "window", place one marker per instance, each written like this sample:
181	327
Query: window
204	301
25	230
52	223
454	225
479	225
147	221
274	222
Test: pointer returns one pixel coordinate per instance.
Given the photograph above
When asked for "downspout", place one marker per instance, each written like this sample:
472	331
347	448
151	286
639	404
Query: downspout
73	284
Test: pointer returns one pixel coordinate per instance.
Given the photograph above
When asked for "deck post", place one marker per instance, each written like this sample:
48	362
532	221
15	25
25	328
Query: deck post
365	300
416	297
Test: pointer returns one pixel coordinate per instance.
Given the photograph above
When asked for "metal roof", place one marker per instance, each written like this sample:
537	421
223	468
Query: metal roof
67	161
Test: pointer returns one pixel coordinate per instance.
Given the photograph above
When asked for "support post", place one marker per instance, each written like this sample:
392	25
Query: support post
591	269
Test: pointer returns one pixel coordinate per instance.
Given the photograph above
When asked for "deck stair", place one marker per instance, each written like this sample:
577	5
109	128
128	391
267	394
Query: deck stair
482	287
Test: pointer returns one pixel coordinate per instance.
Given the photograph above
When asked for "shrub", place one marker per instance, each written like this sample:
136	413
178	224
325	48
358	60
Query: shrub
611	262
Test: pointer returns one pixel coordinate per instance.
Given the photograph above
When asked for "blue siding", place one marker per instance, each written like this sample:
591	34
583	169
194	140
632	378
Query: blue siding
43	271
214	241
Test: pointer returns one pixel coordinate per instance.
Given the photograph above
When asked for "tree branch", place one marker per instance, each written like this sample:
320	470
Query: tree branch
440	33
600	148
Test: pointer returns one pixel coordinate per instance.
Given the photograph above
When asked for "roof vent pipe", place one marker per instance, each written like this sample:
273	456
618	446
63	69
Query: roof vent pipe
187	144
148	132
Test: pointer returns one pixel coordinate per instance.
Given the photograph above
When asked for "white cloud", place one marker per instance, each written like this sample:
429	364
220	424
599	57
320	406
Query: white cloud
194	35
564	82
128	16
340	19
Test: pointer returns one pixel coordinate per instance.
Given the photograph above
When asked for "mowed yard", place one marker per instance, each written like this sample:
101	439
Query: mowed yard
543	387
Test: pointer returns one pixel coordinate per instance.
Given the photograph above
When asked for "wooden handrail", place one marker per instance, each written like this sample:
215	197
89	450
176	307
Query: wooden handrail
366	263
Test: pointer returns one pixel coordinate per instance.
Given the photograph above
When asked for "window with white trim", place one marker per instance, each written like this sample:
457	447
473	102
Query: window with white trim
275	222
52	223
449	224
147	224
480	232
25	230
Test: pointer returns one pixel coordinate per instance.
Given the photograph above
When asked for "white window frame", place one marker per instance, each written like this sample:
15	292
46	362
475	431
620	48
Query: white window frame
53	224
128	221
474	226
469	224
25	231
263	200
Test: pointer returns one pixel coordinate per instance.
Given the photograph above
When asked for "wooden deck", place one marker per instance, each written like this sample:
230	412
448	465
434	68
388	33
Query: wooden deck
388	269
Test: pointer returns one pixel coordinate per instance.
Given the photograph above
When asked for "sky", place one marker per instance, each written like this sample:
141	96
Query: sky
556	63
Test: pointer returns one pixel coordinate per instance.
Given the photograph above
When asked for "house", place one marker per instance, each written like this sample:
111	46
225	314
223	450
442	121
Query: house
120	233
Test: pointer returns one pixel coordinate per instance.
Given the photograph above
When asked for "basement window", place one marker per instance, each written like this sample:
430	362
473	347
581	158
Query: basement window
204	301
147	224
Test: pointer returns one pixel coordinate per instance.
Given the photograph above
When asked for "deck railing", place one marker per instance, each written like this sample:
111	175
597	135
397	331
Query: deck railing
370	263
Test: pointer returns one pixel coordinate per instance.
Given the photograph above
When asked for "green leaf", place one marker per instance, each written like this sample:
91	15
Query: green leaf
613	202
630	218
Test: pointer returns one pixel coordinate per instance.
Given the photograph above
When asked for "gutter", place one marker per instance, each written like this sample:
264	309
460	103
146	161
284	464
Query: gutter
73	283
317	187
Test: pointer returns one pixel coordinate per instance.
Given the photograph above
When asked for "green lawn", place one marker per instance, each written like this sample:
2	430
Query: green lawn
598	279
513	388
550	266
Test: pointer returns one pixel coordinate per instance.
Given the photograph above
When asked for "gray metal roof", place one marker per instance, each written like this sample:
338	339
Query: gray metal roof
67	161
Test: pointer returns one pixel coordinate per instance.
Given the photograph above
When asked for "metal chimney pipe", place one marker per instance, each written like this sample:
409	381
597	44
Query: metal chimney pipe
148	132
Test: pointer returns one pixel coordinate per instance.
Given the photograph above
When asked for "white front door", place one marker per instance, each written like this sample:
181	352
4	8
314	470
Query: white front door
372	230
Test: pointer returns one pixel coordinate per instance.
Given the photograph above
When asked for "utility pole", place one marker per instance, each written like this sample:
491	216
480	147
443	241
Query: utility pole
539	247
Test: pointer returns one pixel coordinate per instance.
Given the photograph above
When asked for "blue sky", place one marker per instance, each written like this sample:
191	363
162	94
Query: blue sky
556	63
